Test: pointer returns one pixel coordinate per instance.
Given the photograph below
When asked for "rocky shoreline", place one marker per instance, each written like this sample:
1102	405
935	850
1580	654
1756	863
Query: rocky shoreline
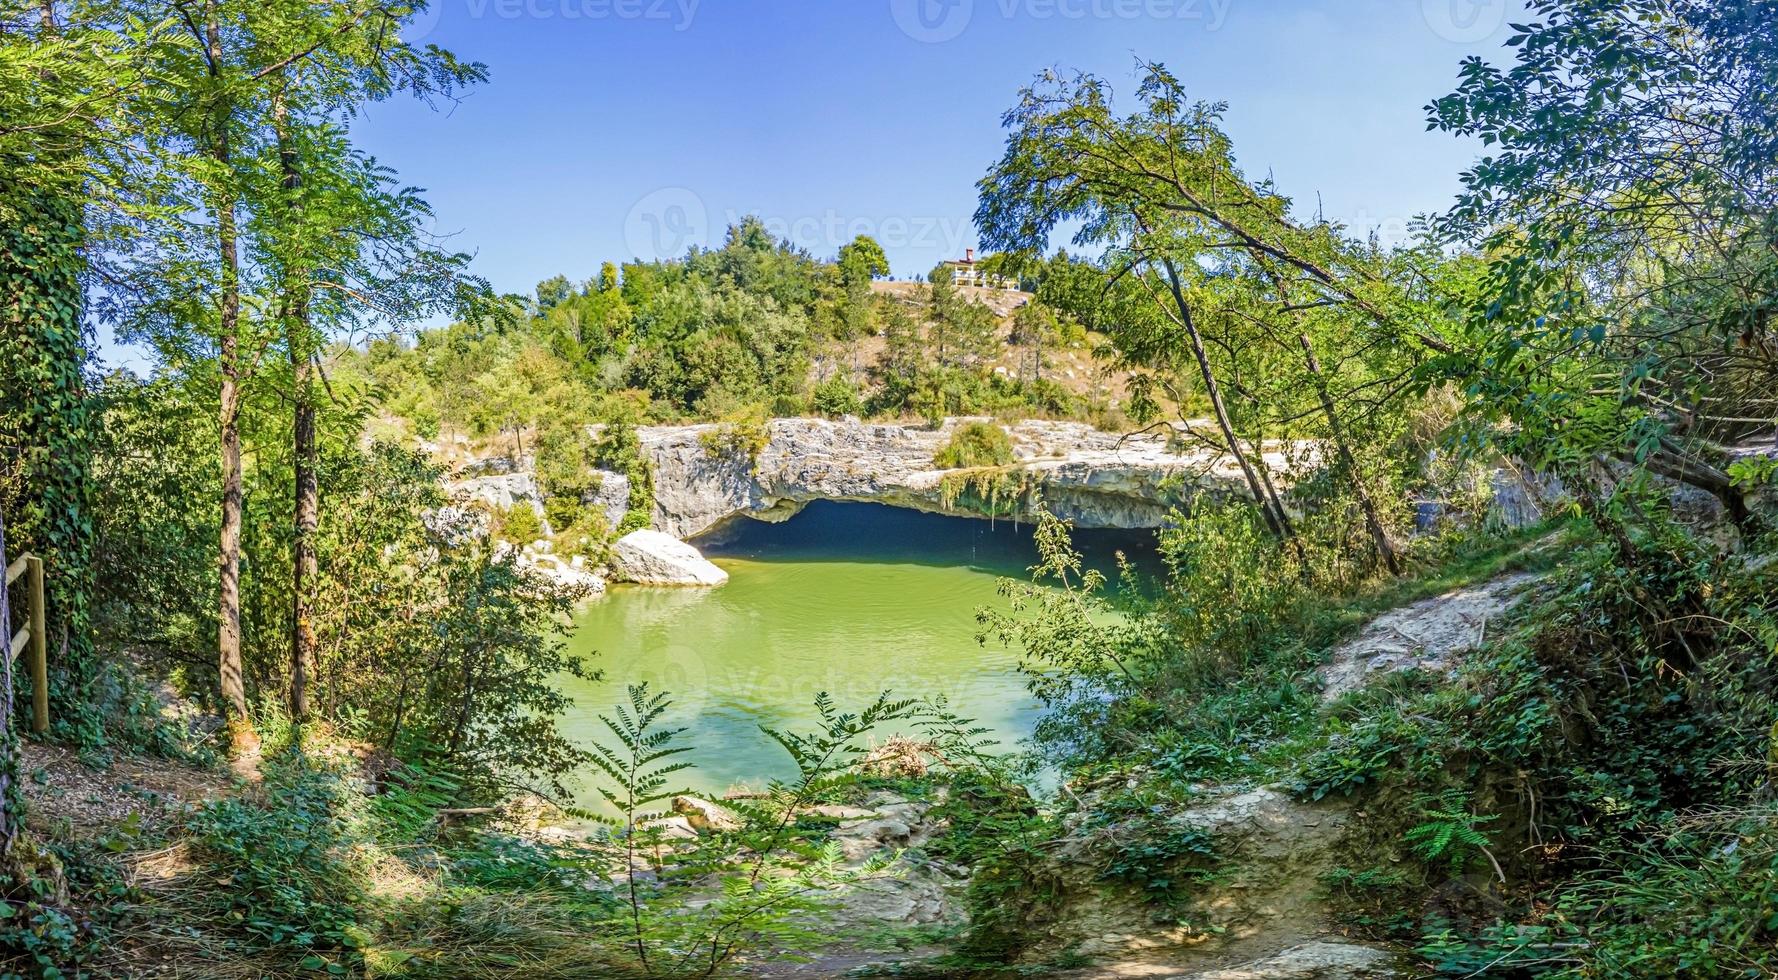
703	483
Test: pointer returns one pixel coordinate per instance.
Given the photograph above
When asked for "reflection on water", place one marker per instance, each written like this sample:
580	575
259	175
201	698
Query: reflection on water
850	599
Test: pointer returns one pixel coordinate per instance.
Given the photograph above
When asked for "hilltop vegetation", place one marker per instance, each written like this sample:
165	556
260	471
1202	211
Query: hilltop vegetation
754	328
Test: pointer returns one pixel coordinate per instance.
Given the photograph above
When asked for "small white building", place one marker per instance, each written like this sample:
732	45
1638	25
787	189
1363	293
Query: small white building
965	272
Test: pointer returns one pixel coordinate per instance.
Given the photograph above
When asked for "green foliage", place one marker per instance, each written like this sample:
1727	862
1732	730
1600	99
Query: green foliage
1014	887
564	463
742	434
620	449
285	872
1629	308
1148	848
759	882
1448	833
1695	901
519	524
837	397
975	444
46	484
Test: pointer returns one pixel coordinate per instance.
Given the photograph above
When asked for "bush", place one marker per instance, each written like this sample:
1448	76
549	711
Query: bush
975	444
837	397
743	432
565	461
284	865
519	524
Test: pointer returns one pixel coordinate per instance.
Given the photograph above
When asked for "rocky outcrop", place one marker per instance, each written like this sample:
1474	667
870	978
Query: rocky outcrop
1427	635
1318	960
501	490
706	817
1097	479
572	572
649	557
1070	469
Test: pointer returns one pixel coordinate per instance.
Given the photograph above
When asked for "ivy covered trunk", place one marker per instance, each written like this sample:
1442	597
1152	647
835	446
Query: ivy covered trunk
45	431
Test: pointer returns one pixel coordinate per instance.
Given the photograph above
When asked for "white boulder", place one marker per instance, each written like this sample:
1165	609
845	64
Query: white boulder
706	817
649	557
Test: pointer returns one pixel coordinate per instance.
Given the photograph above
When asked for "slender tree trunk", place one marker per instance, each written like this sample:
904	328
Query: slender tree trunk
303	575
1379	534
9	817
1214	391
1273	497
234	691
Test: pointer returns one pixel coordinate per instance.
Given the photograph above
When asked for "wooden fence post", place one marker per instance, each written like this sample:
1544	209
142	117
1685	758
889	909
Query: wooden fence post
39	649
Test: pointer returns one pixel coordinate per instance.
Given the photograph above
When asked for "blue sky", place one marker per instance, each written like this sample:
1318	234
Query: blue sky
612	128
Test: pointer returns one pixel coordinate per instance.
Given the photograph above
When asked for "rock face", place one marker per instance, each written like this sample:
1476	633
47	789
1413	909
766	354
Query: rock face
1095	478
1427	635
649	557
706	817
1264	897
571	573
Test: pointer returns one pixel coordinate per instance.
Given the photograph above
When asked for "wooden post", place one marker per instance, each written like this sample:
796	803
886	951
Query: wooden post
39	648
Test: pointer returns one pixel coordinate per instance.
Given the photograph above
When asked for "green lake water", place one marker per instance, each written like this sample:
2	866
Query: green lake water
848	599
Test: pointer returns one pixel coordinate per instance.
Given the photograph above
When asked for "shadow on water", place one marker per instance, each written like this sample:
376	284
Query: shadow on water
861	532
847	599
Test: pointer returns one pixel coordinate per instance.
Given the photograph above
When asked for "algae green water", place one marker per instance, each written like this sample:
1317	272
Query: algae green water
850	599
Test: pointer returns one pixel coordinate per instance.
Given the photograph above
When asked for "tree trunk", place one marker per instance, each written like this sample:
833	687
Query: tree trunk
234	691
9	818
1214	391
1379	534
307	487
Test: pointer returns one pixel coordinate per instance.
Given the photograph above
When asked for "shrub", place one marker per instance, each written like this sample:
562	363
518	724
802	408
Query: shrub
836	397
620	449
566	456
519	524
741	433
975	444
287	881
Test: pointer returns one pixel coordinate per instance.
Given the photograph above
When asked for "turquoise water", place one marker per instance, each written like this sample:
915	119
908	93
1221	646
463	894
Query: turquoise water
847	599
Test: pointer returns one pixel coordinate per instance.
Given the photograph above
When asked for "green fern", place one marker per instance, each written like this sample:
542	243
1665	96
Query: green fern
1450	832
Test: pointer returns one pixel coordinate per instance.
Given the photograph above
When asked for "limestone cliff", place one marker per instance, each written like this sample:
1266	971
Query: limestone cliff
1098	479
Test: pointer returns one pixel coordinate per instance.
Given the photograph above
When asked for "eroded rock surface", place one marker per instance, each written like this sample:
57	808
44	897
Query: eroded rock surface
649	557
1265	895
1098	479
1427	635
705	816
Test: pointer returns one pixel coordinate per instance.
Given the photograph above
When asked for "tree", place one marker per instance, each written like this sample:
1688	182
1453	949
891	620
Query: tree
553	292
860	262
961	331
269	231
1199	259
1069	157
1626	212
1033	328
